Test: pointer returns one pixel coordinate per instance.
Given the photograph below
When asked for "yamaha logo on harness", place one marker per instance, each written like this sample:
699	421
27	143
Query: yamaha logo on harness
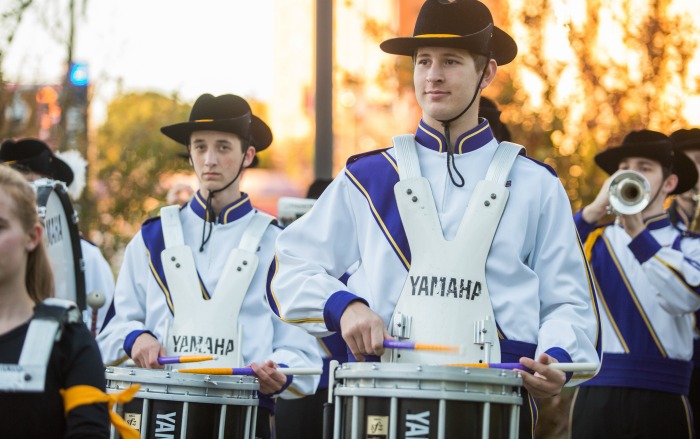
445	287
202	345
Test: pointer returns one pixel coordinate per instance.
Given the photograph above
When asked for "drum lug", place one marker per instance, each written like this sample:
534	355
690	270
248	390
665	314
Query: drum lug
401	327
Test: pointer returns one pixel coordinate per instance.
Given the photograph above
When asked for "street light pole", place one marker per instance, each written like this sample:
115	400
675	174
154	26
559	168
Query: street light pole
323	159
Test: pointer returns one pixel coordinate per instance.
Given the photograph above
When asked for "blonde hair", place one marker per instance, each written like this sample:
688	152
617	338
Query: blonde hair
39	277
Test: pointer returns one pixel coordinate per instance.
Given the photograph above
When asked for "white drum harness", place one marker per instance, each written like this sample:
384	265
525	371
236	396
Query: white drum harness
208	326
445	298
45	329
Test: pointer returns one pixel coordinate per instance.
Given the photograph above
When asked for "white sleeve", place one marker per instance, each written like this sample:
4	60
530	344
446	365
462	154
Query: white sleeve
676	276
311	254
297	349
568	310
129	302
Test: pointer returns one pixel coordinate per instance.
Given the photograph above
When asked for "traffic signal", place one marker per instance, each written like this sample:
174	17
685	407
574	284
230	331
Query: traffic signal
77	84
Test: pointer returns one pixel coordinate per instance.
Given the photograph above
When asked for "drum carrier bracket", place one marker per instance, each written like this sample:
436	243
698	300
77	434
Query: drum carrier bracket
29	375
485	335
401	327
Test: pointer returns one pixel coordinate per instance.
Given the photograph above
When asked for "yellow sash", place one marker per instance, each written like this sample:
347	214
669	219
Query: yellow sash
82	395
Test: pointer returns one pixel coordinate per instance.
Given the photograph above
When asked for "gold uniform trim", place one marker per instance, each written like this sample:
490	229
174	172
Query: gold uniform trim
635	299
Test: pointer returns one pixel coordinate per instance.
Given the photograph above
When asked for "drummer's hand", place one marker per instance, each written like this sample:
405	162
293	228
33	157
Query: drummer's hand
271	380
545	382
146	350
363	330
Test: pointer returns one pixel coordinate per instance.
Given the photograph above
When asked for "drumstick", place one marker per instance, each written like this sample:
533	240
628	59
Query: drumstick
400	344
564	367
185	359
249	371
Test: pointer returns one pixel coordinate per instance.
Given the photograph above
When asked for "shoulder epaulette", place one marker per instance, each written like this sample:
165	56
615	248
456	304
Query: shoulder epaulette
544	165
357	157
151	220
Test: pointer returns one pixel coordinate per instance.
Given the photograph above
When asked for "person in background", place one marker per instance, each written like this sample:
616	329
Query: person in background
35	160
180	194
489	111
685	215
74	363
160	300
647	274
530	266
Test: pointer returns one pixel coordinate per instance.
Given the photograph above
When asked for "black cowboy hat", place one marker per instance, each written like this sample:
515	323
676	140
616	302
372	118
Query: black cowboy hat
226	113
686	140
655	146
35	156
461	24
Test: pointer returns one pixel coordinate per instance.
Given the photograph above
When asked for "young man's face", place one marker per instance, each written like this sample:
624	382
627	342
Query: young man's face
445	80
653	172
216	157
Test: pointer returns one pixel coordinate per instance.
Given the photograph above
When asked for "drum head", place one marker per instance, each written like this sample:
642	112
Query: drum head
62	240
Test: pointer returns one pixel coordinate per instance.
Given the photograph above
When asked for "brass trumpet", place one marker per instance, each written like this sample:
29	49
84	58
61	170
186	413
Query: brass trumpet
629	193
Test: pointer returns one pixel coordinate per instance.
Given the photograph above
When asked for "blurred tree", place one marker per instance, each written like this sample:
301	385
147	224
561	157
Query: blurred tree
130	155
10	18
591	71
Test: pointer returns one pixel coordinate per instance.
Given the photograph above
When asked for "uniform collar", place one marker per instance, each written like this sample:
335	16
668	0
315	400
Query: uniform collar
228	214
657	221
467	142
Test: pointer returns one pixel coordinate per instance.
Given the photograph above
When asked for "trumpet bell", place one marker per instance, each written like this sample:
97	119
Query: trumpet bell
629	193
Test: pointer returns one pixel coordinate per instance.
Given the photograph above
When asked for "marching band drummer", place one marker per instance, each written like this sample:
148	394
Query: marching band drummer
176	276
647	273
535	270
74	362
35	160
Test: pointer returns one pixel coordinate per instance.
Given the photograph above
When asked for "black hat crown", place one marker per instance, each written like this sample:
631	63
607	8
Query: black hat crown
461	24
687	139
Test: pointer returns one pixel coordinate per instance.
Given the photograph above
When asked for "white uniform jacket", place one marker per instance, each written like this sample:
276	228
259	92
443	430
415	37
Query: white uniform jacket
98	277
142	301
541	290
648	289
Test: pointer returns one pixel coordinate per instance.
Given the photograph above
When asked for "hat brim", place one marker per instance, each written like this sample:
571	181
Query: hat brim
503	46
260	134
61	171
609	161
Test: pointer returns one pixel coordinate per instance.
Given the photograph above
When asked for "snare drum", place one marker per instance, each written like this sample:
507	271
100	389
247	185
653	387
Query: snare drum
178	405
400	400
62	240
